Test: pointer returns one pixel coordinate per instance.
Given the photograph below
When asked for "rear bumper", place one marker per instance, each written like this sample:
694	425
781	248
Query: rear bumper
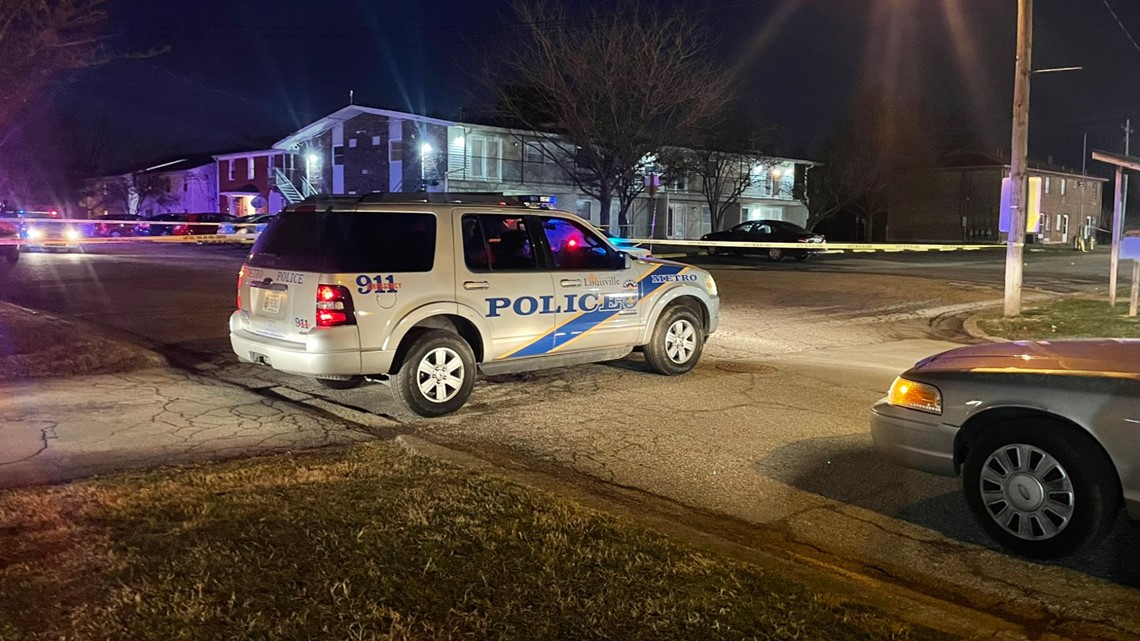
913	439
325	352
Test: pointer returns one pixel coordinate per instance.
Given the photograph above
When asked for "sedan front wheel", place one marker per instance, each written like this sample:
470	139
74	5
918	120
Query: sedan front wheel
1040	488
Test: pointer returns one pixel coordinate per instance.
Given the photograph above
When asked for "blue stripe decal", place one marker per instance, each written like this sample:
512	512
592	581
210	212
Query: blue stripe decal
588	321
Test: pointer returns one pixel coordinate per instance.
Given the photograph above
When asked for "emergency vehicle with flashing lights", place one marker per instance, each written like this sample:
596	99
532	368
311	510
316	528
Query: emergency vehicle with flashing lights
424	291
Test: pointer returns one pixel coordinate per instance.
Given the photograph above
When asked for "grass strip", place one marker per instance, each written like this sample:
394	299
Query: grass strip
373	543
1066	318
33	346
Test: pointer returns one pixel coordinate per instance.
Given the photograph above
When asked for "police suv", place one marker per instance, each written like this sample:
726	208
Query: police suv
424	290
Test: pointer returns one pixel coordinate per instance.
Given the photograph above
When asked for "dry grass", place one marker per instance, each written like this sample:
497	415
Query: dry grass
33	345
1066	318
372	543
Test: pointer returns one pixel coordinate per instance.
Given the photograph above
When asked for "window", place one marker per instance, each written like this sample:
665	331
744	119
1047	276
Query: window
493	242
1063	186
339	242
352	143
230	172
375	141
250	168
395	150
364	171
485	158
338	155
574	247
534	153
1048	182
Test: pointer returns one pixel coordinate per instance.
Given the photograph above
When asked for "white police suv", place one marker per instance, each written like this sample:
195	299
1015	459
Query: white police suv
423	290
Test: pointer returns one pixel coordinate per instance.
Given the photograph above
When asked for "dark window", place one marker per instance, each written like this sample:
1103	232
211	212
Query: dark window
576	248
493	242
534	152
340	242
338	155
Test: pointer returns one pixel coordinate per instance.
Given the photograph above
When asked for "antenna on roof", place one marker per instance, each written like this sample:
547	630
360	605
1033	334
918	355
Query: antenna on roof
350	92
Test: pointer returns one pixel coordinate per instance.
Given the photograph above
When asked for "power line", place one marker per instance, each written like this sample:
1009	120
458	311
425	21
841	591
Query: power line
1122	27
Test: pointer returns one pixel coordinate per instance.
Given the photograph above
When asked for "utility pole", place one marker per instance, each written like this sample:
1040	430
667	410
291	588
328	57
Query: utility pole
1118	220
1019	179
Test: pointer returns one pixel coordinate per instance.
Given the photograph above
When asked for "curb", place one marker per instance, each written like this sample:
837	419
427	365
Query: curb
971	327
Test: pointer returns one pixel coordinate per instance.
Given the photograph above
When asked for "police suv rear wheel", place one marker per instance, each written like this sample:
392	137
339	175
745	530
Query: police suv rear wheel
436	374
677	341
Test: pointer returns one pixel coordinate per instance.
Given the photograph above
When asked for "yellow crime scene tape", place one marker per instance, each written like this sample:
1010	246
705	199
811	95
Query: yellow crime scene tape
830	248
19	228
250	237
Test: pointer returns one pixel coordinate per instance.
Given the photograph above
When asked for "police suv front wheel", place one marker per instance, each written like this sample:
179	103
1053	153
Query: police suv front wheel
436	374
677	341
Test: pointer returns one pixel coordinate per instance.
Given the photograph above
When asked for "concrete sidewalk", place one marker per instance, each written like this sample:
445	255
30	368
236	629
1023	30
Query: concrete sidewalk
54	430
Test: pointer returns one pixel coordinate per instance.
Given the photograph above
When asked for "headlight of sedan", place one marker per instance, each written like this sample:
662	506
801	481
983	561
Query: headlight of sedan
914	395
72	234
35	233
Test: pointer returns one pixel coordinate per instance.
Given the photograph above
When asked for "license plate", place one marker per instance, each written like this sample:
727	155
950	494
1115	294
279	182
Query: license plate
271	304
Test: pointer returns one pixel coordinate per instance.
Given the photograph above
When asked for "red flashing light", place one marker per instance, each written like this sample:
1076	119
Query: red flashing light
571	243
334	306
53	213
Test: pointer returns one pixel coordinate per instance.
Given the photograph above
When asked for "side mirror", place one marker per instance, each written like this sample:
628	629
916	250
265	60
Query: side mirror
626	260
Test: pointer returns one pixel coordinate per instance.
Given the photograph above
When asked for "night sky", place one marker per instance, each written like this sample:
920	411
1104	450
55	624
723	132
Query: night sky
246	72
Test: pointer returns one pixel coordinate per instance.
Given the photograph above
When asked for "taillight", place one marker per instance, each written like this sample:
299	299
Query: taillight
241	275
334	306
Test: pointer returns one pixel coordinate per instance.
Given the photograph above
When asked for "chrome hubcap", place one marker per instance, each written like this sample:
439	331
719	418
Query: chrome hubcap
1027	492
440	375
681	341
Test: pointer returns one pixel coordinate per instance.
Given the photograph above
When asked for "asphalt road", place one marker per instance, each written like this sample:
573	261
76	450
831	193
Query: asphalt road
770	429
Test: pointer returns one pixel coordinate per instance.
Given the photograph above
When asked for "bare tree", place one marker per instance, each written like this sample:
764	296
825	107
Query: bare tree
607	89
132	193
852	179
724	160
41	38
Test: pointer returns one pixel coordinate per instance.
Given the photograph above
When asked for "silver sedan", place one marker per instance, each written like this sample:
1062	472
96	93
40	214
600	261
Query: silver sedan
1045	435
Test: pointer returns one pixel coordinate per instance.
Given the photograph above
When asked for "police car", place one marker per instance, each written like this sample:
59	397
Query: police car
426	290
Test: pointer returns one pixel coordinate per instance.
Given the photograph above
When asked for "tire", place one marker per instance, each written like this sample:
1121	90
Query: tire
775	254
434	353
677	341
802	258
1067	493
333	383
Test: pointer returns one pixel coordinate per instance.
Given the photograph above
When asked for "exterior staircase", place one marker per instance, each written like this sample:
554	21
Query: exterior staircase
290	191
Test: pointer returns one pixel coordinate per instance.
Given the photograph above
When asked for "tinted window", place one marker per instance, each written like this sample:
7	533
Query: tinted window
789	228
493	242
575	248
342	242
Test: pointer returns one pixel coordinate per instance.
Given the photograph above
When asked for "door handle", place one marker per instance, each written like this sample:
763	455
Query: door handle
571	282
475	284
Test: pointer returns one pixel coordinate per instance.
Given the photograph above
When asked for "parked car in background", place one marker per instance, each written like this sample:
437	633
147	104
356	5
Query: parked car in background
115	226
766	231
9	235
46	230
249	226
1045	435
160	225
202	224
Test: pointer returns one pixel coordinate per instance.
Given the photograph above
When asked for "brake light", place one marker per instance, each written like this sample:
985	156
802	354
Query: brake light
241	275
334	306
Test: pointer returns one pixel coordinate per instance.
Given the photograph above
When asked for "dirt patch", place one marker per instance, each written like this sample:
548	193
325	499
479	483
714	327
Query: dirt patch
35	345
